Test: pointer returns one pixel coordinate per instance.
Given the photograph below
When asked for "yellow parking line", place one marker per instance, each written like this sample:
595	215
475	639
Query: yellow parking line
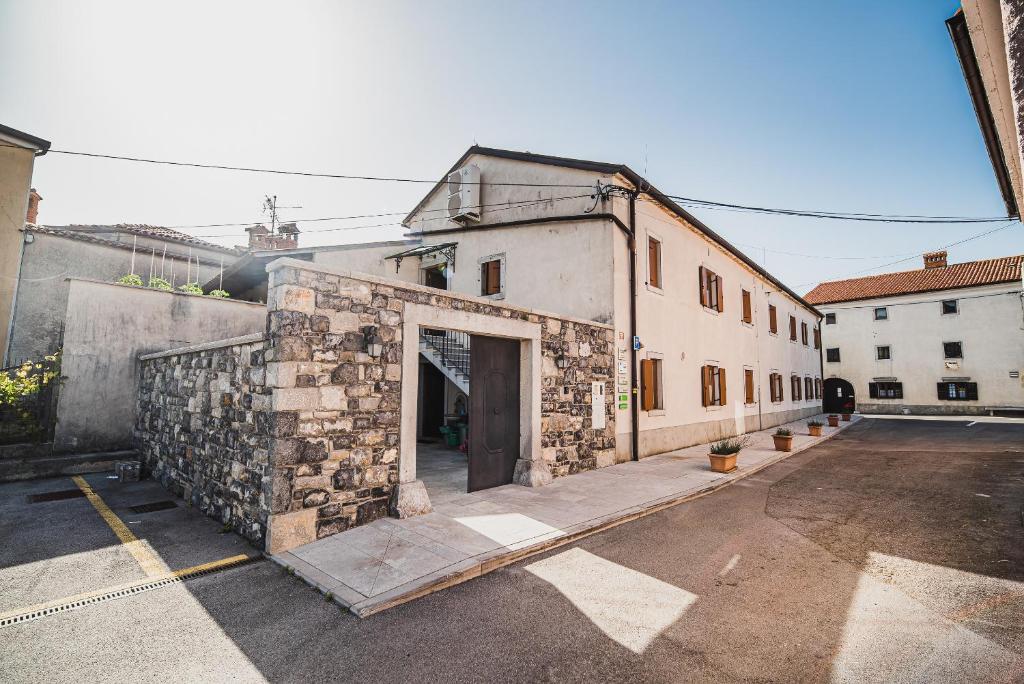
148	561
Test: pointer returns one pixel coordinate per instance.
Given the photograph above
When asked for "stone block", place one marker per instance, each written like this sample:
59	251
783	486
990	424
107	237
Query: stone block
289	530
296	399
393	372
332	398
293	298
292	349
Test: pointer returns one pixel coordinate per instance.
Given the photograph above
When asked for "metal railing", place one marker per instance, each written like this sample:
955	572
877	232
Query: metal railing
28	401
451	346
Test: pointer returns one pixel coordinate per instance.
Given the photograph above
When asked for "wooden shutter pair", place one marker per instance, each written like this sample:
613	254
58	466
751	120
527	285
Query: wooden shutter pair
773	319
654	261
817	338
803	333
490	277
775	384
647	384
748	385
792	328
707	376
706	277
705	296
748	315
794	383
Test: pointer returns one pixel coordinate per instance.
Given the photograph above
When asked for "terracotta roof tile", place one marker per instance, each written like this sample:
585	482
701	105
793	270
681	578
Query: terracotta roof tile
969	274
158	232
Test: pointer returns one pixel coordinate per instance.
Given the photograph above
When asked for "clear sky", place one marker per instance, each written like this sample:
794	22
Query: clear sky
855	106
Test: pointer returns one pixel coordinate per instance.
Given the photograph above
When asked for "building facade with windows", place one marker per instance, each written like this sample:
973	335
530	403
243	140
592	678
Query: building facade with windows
945	339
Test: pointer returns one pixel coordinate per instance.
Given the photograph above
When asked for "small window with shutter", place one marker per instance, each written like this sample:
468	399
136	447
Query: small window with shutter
803	333
652	397
775	385
773	320
654	262
792	328
794	386
492	276
748	386
711	291
713	386
817	337
748	311
817	388
808	388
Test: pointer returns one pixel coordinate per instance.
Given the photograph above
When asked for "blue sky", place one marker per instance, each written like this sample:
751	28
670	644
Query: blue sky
836	106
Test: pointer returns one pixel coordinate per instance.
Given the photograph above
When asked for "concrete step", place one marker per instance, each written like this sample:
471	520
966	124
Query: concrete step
52	466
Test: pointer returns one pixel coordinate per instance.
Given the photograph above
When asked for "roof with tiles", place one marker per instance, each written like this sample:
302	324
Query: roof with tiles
157	232
954	276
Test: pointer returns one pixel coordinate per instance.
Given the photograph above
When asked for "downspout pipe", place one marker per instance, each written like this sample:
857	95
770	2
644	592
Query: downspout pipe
635	404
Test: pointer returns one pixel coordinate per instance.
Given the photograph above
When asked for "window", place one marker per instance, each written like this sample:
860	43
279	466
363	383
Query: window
808	389
950	306
748	314
490	277
881	314
711	293
832	355
794	385
882	353
803	333
654	262
830	319
817	388
773	320
953	350
817	338
713	386
958	391
792	328
885	390
652	397
748	385
775	384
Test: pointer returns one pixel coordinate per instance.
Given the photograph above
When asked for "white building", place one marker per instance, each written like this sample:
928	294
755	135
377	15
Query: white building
724	346
945	339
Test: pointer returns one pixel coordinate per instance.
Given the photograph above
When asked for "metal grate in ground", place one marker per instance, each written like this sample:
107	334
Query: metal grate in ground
59	495
153	507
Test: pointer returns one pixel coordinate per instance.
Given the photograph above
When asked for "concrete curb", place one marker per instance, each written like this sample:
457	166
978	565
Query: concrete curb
493	560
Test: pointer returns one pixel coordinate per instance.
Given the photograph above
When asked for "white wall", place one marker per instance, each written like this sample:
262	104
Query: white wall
370	258
990	324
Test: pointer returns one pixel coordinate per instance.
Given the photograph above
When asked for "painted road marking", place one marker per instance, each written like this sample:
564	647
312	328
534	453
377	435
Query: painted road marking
147	560
987	496
729	566
973	422
177	575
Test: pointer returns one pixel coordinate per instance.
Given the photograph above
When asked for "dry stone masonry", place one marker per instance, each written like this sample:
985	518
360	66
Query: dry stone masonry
203	430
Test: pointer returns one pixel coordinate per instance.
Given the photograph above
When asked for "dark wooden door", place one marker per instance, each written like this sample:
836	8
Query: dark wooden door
431	402
493	411
838	396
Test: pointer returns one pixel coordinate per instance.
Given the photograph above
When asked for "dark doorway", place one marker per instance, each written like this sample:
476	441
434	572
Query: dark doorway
493	411
432	383
838	396
435	277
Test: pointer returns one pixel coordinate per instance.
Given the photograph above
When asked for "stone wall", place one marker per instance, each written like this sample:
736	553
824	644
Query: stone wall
203	429
338	412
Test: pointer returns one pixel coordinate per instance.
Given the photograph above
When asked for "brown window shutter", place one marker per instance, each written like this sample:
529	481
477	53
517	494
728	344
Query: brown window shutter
773	319
703	287
705	385
494	276
721	387
654	261
747	314
748	386
721	294
647	384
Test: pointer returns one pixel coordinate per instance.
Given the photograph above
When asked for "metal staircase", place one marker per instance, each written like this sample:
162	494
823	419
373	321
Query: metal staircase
448	351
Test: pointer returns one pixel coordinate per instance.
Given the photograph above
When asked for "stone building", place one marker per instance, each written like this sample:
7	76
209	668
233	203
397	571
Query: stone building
945	339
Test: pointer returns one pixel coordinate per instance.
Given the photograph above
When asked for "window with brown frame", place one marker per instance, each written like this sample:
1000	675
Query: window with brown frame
654	262
792	328
490	277
794	384
775	385
808	388
652	397
803	332
817	337
748	385
748	312
712	386
817	388
711	292
773	320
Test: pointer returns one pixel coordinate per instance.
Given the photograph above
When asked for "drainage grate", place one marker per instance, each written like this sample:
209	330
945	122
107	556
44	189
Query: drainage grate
131	590
153	507
59	495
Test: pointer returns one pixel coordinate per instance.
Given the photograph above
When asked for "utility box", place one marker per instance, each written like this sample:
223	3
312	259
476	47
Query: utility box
127	471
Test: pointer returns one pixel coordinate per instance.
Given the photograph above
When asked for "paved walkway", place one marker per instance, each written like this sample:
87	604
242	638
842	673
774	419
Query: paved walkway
387	562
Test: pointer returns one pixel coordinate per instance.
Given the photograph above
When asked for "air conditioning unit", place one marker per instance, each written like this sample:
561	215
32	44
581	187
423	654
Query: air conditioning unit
464	194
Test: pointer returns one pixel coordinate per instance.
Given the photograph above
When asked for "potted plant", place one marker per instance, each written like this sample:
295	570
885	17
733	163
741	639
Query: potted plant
723	455
833	420
783	438
846	417
814	428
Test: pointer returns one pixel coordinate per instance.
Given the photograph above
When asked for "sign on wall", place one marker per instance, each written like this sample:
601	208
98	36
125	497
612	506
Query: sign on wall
597	405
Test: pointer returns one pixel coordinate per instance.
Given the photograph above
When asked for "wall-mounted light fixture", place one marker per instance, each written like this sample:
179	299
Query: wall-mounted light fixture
374	343
561	362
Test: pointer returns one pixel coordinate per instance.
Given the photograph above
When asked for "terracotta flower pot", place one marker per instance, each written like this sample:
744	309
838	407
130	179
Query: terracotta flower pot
723	463
846	417
833	421
783	442
814	430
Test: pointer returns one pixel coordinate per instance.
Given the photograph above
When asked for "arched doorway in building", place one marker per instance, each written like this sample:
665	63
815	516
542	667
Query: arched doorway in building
838	396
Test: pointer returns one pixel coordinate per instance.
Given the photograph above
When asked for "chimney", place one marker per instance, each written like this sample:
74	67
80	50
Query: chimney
32	215
260	238
935	260
257	237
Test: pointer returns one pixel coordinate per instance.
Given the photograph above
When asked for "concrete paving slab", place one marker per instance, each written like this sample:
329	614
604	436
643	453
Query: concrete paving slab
386	562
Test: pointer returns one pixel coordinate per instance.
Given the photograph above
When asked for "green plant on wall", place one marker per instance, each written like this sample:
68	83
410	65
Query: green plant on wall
191	288
19	392
130	279
159	284
218	293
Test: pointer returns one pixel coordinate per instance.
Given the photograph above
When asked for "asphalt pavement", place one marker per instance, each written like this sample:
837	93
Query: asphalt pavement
893	552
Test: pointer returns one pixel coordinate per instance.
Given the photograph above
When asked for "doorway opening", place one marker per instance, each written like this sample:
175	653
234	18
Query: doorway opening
468	404
838	396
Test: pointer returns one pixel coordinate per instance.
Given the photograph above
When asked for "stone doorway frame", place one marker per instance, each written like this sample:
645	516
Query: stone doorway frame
531	471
